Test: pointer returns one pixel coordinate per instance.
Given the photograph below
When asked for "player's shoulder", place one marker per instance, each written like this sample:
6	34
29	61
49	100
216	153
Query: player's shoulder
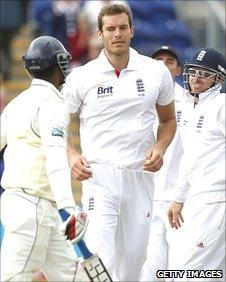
154	67
147	61
84	70
218	97
221	96
52	98
53	107
219	100
216	106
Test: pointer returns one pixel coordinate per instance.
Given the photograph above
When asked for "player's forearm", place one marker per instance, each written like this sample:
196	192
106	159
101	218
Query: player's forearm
181	194
182	185
165	134
59	176
80	168
71	151
60	182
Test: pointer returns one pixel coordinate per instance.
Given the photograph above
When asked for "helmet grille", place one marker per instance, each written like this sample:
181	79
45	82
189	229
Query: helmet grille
63	60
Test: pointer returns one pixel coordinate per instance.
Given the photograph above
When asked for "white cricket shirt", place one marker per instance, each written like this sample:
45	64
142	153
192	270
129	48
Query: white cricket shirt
34	128
165	179
117	113
202	132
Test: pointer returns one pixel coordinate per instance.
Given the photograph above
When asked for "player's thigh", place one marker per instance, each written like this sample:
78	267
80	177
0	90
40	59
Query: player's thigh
135	211
134	224
25	242
102	208
101	200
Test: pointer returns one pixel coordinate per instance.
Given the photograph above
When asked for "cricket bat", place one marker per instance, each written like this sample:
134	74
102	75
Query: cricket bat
92	264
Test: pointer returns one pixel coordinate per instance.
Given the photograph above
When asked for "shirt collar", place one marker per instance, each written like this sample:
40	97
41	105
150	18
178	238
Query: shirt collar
44	83
208	94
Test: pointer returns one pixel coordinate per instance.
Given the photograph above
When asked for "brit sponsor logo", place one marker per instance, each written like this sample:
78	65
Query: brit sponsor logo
104	91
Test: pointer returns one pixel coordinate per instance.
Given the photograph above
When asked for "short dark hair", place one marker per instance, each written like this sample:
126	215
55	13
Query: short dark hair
111	10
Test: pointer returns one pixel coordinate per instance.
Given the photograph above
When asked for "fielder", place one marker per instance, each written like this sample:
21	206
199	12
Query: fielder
164	179
201	180
37	178
115	96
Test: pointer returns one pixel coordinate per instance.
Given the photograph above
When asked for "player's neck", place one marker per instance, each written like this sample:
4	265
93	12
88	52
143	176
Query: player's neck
119	62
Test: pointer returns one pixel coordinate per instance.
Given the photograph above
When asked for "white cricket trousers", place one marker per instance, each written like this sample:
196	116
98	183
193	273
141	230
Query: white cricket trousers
200	243
32	240
157	250
119	205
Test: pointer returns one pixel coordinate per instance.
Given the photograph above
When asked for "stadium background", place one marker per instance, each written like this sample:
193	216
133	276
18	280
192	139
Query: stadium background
184	24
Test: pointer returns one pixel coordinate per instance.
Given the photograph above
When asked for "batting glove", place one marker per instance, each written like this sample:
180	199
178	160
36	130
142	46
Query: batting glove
74	223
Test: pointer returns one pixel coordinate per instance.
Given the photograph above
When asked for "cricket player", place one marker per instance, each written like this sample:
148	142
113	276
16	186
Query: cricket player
200	189
116	96
37	178
165	179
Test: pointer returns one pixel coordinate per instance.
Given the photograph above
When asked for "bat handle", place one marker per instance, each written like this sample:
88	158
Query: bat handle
84	250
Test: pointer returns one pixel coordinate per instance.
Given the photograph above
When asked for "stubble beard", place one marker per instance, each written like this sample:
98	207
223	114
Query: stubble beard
119	52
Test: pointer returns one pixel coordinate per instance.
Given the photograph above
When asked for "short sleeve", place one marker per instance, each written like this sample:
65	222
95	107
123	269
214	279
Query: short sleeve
71	90
53	121
166	93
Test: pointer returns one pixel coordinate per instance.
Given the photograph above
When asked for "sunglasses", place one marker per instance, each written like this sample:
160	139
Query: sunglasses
200	73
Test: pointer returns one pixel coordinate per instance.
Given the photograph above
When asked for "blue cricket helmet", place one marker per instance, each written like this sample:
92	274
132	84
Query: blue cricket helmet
45	52
208	59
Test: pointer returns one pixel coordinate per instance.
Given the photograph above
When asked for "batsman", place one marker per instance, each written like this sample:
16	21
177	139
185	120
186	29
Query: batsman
37	179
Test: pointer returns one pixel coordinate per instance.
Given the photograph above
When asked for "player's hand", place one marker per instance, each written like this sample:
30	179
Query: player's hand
174	214
74	223
154	159
80	168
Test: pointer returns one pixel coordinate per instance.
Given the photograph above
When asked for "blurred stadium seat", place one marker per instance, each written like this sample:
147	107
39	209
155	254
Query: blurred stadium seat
173	32
157	10
156	23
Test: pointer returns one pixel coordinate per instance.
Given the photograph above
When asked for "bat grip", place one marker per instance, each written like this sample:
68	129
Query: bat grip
84	250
